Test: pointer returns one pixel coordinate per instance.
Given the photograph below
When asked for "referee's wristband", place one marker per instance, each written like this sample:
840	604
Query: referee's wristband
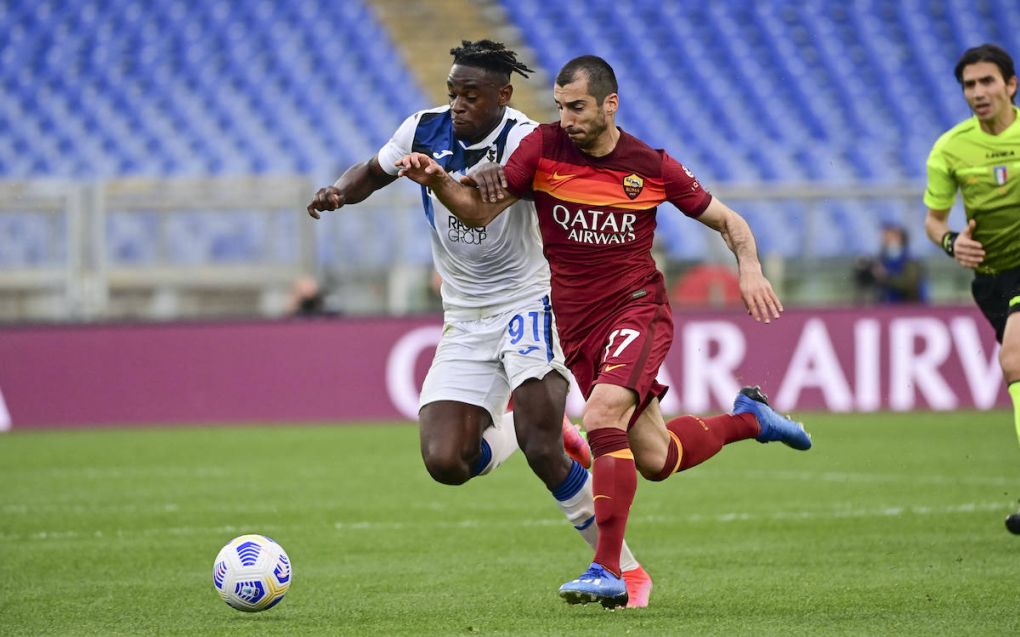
949	242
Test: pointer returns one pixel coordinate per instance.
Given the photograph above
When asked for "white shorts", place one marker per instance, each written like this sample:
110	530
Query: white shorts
480	362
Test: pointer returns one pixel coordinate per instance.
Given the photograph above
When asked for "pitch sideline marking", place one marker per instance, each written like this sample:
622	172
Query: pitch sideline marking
874	512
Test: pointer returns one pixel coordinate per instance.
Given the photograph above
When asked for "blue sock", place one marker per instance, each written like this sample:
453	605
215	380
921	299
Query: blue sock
483	459
573	483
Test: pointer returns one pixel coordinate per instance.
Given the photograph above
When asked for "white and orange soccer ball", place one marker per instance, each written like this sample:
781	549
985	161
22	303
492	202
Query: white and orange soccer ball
252	573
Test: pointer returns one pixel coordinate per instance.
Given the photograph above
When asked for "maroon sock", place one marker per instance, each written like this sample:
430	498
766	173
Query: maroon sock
702	438
614	482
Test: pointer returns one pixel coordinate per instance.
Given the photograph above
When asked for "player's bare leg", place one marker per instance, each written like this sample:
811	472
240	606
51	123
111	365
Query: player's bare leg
662	449
606	416
538	419
650	441
537	404
459	441
1009	359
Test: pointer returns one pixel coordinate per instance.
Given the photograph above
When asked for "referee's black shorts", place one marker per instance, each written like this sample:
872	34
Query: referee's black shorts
998	296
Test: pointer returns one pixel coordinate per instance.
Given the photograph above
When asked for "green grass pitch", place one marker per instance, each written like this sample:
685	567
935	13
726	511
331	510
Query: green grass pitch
892	525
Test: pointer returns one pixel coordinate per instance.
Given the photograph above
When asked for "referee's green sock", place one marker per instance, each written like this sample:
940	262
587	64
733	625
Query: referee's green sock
1014	393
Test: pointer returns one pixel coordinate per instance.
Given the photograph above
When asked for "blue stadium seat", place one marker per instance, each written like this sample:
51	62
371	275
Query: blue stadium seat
208	74
828	91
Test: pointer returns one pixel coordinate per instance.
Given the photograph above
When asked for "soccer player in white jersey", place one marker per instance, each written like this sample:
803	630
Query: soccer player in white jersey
499	338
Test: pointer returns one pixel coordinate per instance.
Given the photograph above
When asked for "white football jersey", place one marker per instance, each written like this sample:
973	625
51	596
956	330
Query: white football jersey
484	270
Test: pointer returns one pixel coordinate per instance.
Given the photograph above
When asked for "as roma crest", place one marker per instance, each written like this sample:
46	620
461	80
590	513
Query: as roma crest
633	185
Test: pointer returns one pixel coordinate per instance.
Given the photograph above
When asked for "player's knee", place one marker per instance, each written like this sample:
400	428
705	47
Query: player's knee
653	475
1009	359
446	467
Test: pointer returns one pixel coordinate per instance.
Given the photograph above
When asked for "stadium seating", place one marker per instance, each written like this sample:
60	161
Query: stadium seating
103	88
783	91
743	91
96	89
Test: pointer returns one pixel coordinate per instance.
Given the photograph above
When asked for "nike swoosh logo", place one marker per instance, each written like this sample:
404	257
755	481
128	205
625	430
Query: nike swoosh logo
601	496
556	176
609	368
442	154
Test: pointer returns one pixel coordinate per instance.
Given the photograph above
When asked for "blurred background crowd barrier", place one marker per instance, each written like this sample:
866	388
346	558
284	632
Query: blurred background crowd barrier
156	157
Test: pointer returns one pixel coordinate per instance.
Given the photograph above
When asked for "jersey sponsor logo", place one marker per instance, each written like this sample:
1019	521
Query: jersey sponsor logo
442	153
1000	153
458	232
694	185
599	227
1000	175
633	185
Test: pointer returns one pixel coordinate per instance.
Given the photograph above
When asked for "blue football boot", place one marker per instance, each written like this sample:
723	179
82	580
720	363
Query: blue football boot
596	585
752	400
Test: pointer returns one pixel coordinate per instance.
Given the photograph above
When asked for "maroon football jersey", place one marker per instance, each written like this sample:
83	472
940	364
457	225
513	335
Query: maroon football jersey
597	216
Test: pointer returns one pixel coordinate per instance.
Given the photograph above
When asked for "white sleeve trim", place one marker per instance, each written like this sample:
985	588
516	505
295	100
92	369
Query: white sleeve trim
399	145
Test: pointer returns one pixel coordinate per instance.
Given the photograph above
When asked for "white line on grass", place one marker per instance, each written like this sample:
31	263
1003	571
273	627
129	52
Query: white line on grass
876	478
891	511
875	512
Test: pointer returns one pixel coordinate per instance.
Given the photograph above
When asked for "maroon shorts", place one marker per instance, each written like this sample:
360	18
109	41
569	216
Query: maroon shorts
626	349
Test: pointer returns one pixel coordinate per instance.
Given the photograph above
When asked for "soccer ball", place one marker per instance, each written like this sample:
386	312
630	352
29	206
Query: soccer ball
252	573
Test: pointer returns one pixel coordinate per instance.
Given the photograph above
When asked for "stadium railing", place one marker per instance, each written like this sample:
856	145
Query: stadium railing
73	274
166	249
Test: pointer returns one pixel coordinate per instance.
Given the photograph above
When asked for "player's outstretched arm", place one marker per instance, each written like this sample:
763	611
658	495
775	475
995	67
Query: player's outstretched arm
461	200
962	246
355	185
755	290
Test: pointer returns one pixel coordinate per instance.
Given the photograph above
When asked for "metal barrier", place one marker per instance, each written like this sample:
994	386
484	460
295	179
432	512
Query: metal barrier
373	256
82	281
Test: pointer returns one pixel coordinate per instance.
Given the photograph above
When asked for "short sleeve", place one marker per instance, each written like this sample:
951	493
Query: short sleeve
941	190
516	135
683	189
523	163
399	145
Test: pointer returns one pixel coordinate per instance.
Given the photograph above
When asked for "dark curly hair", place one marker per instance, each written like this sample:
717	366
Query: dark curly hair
489	55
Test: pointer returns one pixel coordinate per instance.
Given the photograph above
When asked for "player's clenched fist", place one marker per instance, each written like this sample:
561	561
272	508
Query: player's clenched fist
328	198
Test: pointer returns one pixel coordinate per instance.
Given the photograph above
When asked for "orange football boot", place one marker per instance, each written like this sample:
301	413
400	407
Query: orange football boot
639	587
575	444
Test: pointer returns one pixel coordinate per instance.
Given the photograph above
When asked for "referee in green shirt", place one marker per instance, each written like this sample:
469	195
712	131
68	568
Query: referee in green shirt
980	156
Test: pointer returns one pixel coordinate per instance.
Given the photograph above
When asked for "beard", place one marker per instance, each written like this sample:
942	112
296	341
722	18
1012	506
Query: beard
595	130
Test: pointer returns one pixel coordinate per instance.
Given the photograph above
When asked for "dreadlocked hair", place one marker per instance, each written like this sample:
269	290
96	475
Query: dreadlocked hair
489	55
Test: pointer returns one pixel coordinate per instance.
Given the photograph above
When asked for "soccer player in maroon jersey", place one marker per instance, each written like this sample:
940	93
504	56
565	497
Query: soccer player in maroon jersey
596	189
